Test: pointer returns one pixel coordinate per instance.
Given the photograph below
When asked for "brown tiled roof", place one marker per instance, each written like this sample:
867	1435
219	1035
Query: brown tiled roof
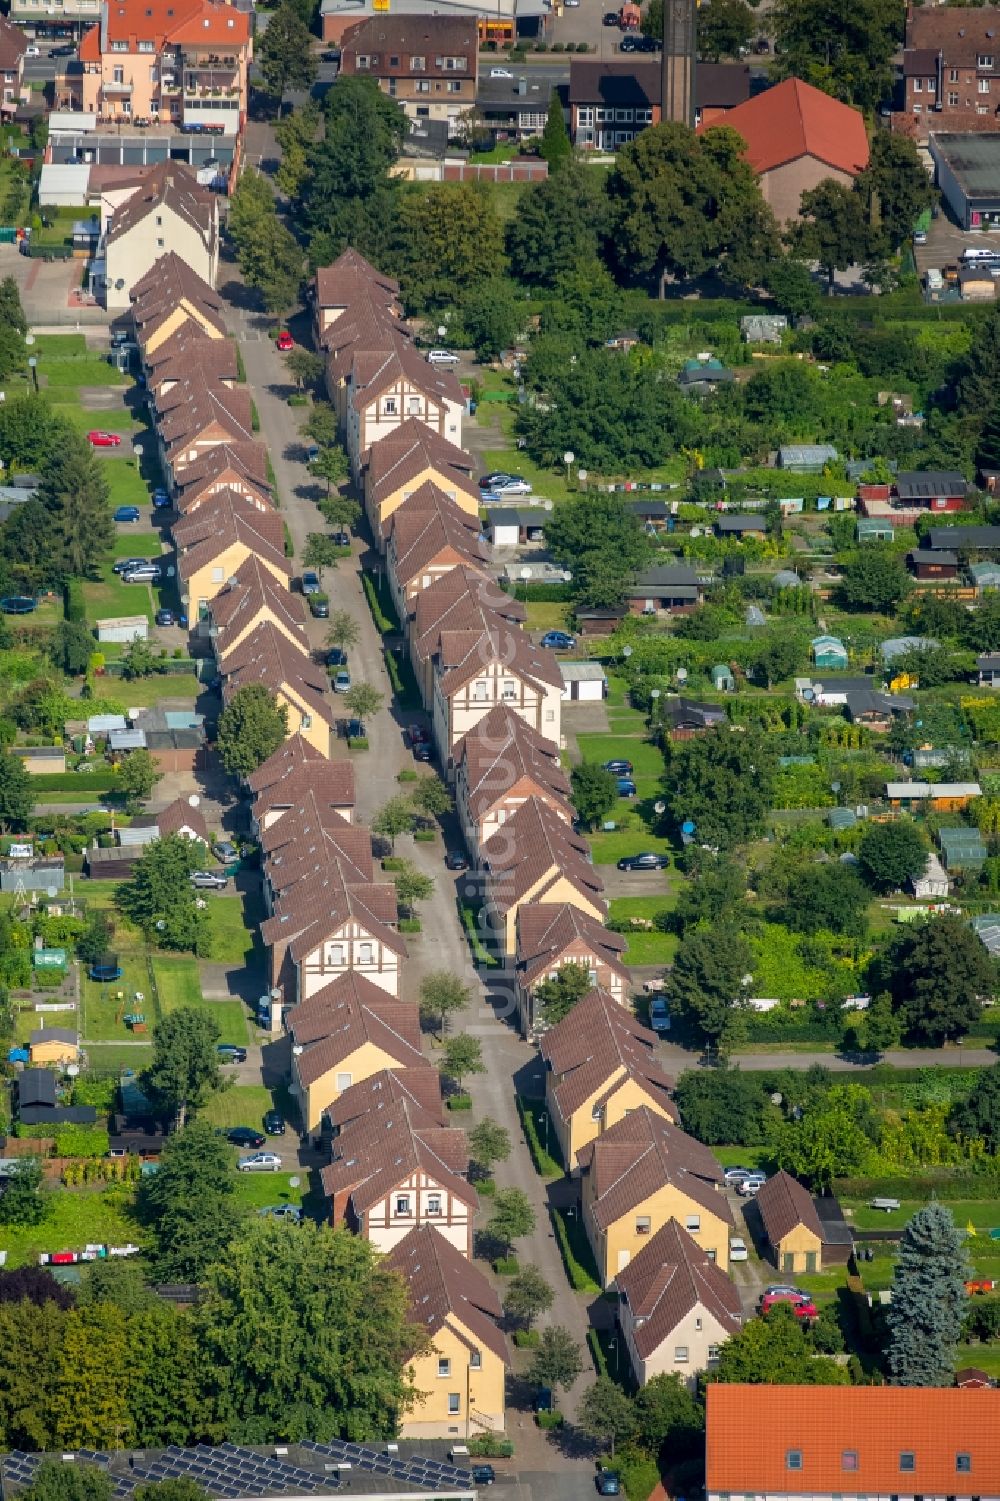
463	599
545	930
295	769
874	1423
376	1155
311	835
318	906
597	1047
170	283
514	648
418	540
784	1204
363	325
289	757
532	844
268	657
224	520
426	501
429	35
190	350
174	186
961	39
445	1286
178	815
405	454
351	271
668	1279
641	1153
253	589
195	404
421	1086
12	46
241	462
346	1008
372	374
500	751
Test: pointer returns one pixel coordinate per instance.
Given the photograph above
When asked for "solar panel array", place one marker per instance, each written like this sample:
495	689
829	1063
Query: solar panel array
230	1473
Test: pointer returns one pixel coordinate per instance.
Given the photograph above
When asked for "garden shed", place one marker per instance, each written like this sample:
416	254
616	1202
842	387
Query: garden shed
875	529
583	682
828	651
806	458
722	678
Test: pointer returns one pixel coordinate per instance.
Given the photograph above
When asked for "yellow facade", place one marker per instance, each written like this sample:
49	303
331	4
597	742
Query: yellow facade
392	501
561	890
263	616
359	1066
303	719
614	1247
581	1126
206	582
174	321
801	1250
480	1405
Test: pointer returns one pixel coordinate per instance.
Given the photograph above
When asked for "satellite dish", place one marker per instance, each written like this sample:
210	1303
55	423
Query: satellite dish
29	339
548	505
194	800
160	926
73	1070
808	694
747	980
660	807
297	1050
581	475
294	1181
52	891
776	1097
568	457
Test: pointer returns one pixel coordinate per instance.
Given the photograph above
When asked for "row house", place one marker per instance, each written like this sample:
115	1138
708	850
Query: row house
309	840
551	934
13	46
499	765
171	298
461	1376
291	772
386	388
296	681
536	857
637	1175
196	415
182	63
344	1034
240	467
166	210
382	1093
427	537
328	928
216	539
254	595
348	282
394	1172
463	599
475	670
366	329
428	63
216	361
408	458
600	1065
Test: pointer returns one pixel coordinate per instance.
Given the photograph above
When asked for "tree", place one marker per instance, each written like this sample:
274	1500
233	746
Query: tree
774	1351
305	1332
31	1341
16	797
846	54
321	552
723	784
606	1413
555	146
93	942
33	1284
490	1143
978	1116
347	195
70	647
874	579
938	974
725	28
832	228
830	897
24	1201
340	511
74	494
54	1480
138	660
305	367
331	465
880	1027
184	1072
556	996
431	798
442	994
890	854
461	1055
716	889
705	983
190	1203
556	226
895	185
393	818
343	630
449	238
137	776
251	727
493	316
778	654
602	542
790	282
513	1217
296	133
362	700
322	427
682	204
833	1137
181	1489
557	1361
31	433
284	56
528	1295
716	1102
595	792
412	886
928	1299
667	1413
160	899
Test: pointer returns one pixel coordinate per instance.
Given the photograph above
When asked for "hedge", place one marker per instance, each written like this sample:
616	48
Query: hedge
409	925
384	623
541	594
597	1353
73	604
73	781
357	742
81	1141
580	1277
491	1446
479	953
947	1184
546	1164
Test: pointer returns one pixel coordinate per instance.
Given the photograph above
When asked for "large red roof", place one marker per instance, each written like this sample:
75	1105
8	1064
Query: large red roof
187	22
792	120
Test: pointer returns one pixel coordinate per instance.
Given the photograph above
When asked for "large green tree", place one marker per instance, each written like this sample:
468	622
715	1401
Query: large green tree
30	433
184	1072
834	1136
874	579
493	315
251	727
137	777
160	899
55	1480
449	239
928	1299
775	1351
601	542
557	1361
724	28
306	1335
24	1201
705	983
890	854
847	53
607	1413
556	996
75	495
555	147
347	196
190	1204
557	225
895	185
830	896
284	54
832	228
938	974
722	782
16	796
979	1114
595	792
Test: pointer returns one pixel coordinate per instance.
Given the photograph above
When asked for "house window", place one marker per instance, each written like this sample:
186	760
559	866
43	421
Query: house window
335	955
390	406
394	62
693	1222
602	115
509	690
423	110
159	244
307	720
454	85
476	1360
365	953
697	1325
918	85
417	64
434	1204
444	1367
479	691
952	75
982	109
218	574
454	1402
119	75
932	85
984	85
344	1081
713	1354
963	1464
953	101
642	1224
595	1114
984	60
145	46
413	406
793	1459
403	1207
680	1354
849	1459
119	46
918	109
907	1461
362	60
585	116
623	117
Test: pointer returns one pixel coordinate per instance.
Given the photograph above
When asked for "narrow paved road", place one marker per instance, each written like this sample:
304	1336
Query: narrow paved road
676	1059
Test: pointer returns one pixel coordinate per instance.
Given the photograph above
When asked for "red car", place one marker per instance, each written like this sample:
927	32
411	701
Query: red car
801	1306
103	440
285	341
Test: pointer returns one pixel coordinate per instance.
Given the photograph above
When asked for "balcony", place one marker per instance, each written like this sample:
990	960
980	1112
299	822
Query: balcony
117	90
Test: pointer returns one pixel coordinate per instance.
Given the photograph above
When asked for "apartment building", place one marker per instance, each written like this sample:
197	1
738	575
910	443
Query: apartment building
12	49
295	769
551	934
167	212
427	63
951	71
500	764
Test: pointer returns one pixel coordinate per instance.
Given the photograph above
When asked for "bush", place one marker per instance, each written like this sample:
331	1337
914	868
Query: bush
574	1254
947	1184
425	836
491	1446
394	863
384	623
480	954
458	1101
597	1354
408	775
81	1141
297	399
357	742
409	925
583	46
527	1339
506	1266
541	594
73	605
547	1165
549	1420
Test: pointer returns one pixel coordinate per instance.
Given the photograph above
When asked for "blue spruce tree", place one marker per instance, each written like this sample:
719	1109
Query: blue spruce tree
928	1300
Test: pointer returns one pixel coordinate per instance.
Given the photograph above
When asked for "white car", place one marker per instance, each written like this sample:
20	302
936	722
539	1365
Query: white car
738	1249
751	1186
441	357
260	1162
32	51
501	73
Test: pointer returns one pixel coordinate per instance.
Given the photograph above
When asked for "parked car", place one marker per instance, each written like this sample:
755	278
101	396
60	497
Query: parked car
418	734
734	1176
208	880
490	481
319	607
628	44
738	1249
310	582
291	1213
166	617
230	1053
781	1287
920	237
336	657
331	55
626	787
620	768
126	565
342	681
100	439
355	729
608	1483
659	1014
455	860
611	18
341	539
66	50
501	73
224	850
161	500
647	44
559	640
127	513
483	1475
441	357
285	341
32	51
260	1162
802	1306
646	861
145	573
274	1123
751	1184
245	1136
423	752
512	484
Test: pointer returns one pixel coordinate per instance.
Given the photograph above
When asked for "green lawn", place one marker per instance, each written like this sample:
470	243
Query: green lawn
647	759
257	1190
177	981
232	942
128	488
984	1214
76	1216
111	597
61	346
112	1057
985	1357
150	690
103	1006
542	616
68	372
245	1105
608	849
101	895
231	1017
645	947
116	420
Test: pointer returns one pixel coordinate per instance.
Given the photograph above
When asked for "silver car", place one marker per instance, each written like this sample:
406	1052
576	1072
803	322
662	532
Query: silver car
260	1162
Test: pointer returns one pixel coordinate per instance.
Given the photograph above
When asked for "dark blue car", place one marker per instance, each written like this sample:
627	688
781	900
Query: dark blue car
127	513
